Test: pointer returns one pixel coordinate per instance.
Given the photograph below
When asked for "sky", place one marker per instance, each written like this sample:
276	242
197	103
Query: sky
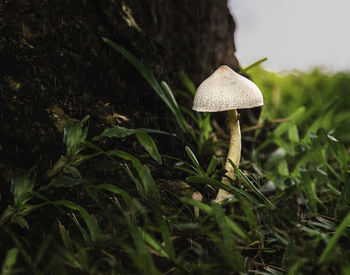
293	34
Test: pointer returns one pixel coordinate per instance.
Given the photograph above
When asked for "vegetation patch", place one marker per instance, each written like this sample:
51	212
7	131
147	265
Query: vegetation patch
102	209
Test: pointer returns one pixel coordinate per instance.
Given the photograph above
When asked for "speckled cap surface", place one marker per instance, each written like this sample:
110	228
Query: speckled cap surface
226	90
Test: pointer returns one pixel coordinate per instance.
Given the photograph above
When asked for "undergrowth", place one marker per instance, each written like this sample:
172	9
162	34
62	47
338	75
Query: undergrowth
99	210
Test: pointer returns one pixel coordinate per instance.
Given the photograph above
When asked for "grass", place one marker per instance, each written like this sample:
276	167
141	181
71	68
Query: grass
99	210
324	97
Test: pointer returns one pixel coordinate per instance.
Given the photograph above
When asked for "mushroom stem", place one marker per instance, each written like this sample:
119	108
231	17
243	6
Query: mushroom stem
234	153
197	197
196	212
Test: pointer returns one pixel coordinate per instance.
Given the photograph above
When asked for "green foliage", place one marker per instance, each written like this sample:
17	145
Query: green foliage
21	187
333	241
324	96
102	210
74	137
145	140
197	136
10	261
162	90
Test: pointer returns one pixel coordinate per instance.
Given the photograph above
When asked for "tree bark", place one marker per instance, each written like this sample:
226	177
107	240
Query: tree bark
52	56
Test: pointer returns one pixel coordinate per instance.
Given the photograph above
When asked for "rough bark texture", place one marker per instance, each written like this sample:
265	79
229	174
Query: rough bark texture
55	65
196	36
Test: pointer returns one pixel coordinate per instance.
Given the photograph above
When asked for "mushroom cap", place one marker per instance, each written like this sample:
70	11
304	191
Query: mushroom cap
197	196
226	90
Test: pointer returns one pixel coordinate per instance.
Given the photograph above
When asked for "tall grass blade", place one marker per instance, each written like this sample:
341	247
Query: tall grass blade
154	244
194	160
178	115
140	254
91	222
147	142
152	81
151	189
10	261
209	211
251	217
65	236
186	81
257	63
250	184
228	245
212	166
166	235
333	241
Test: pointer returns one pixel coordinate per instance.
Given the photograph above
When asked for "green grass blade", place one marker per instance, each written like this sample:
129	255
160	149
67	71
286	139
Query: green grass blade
169	93
151	189
28	259
69	257
202	206
229	188
228	245
186	81
85	234
250	184
209	211
194	160
237	229
296	117
257	63
145	73
82	257
154	244
178	115
91	222
116	131
43	250
10	261
116	190
251	217
147	142
74	136
333	241
7	214
137	182
212	166
343	202
65	236
166	235
140	254
126	156
21	187
190	113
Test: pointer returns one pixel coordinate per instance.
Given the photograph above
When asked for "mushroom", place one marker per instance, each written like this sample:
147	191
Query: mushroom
197	197
226	90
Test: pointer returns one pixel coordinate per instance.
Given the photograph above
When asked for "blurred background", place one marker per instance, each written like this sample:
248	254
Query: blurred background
293	34
308	60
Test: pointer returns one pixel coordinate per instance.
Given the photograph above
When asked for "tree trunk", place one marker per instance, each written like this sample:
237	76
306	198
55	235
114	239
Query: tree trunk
54	62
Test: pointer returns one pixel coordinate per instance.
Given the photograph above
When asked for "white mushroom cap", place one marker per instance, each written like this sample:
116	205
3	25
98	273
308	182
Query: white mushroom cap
226	90
197	196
